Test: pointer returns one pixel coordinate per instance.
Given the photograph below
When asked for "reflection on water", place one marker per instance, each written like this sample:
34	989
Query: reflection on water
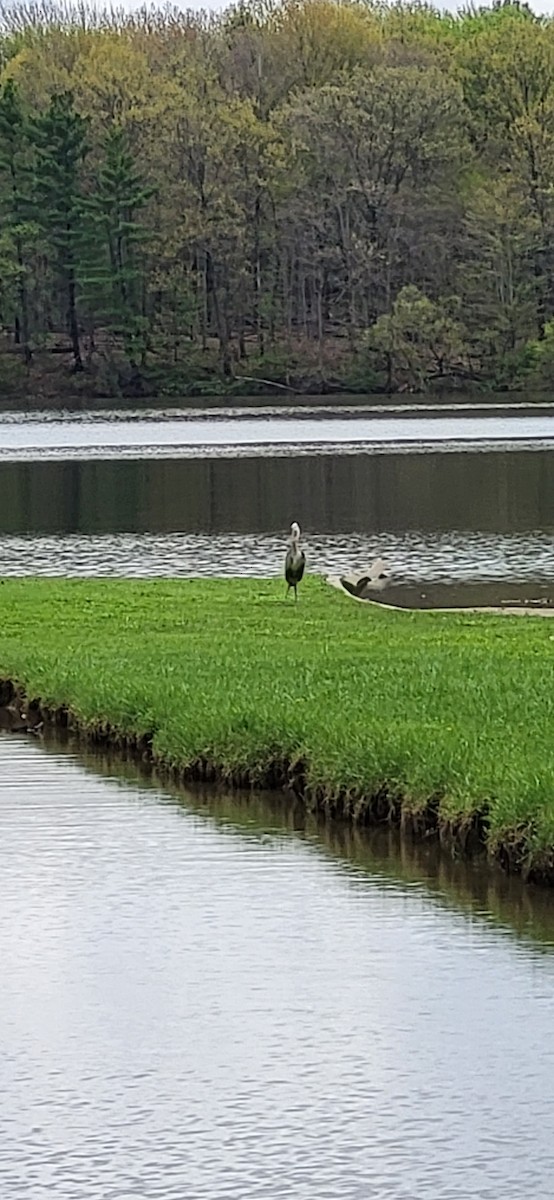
213	1006
500	493
474	886
432	516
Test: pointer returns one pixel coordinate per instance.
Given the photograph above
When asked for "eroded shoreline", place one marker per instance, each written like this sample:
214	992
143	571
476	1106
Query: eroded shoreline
463	836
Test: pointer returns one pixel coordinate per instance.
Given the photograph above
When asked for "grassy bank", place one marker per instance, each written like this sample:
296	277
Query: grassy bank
445	718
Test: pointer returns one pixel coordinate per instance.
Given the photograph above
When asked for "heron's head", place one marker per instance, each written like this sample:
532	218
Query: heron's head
295	531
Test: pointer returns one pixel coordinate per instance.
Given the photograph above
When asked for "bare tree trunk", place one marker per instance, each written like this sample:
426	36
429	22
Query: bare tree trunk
344	242
23	305
72	315
257	277
304	300
22	333
204	312
220	316
91	346
318	286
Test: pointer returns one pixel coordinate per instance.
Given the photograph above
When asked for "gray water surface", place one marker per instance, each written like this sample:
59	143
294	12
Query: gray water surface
198	1001
261	431
412	558
441	513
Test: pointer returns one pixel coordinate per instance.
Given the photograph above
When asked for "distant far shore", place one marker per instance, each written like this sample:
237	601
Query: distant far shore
48	383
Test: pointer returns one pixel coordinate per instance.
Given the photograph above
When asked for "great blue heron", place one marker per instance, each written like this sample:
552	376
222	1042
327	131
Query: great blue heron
295	560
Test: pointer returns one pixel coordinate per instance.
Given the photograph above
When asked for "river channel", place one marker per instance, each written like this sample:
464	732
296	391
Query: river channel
206	998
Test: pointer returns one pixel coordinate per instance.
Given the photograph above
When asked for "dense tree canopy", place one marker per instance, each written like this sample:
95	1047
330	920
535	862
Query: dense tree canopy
307	192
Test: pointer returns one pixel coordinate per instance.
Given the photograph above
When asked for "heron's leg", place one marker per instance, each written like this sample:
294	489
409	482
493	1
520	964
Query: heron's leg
295	593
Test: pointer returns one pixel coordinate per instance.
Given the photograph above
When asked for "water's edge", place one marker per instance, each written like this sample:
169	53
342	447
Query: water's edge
464	835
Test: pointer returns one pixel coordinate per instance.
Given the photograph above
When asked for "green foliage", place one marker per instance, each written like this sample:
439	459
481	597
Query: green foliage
457	708
280	183
18	239
418	340
58	138
112	271
15	163
539	358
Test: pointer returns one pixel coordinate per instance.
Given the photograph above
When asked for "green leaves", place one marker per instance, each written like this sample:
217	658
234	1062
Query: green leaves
58	137
113	266
419	339
17	210
266	186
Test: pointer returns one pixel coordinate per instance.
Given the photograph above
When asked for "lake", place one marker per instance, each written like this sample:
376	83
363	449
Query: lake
442	491
213	997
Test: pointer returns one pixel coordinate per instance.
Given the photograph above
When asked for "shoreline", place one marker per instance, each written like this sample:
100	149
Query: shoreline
23	715
462	837
288	373
438	723
33	399
58	389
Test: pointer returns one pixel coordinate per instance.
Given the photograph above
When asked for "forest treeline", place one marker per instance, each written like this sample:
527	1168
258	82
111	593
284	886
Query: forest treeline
316	194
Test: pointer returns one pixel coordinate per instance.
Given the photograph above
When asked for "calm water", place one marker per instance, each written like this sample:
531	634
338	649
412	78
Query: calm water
264	431
201	1001
214	493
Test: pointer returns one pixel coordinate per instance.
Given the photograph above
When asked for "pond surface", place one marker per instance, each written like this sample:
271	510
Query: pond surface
260	431
208	999
442	492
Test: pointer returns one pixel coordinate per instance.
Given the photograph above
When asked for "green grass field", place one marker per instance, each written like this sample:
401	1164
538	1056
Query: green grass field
459	707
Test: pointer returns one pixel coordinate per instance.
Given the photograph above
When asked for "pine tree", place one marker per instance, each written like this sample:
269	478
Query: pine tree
59	139
16	186
113	277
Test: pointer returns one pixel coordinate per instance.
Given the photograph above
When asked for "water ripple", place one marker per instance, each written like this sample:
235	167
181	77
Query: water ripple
193	1011
412	556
